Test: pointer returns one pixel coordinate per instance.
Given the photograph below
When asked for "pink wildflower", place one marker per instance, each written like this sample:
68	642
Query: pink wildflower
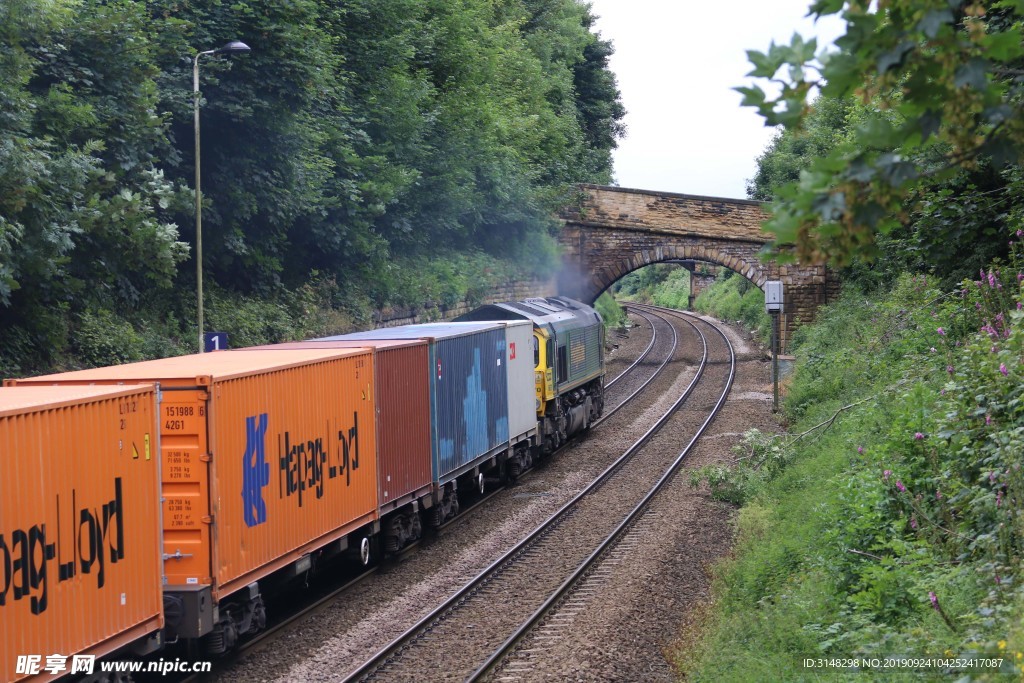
918	436
988	419
886	475
934	599
933	349
860	449
949	369
942	332
913	522
900	486
1002	369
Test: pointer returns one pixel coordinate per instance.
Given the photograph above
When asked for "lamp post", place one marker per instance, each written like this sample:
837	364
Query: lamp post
233	47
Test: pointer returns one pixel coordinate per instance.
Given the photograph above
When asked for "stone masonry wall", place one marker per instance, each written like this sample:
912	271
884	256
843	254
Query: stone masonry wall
614	231
700	279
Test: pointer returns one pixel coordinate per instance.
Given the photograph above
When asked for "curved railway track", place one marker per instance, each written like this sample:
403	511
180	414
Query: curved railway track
643	355
515	659
473	630
636	379
637	364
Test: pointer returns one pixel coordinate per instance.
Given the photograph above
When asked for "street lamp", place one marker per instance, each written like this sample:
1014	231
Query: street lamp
233	47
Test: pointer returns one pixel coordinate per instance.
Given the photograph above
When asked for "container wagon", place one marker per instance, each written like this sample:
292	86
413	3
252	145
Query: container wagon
268	462
568	359
402	397
469	375
79	525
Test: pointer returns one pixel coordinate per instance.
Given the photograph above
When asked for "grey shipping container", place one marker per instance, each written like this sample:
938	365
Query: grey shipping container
468	386
522	385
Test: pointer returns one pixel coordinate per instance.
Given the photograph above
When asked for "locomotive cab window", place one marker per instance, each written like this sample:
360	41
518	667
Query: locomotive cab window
536	353
563	363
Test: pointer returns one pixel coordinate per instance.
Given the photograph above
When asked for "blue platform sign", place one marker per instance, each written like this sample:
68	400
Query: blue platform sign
215	341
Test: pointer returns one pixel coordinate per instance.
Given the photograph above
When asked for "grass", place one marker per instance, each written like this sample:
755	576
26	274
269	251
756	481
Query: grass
892	528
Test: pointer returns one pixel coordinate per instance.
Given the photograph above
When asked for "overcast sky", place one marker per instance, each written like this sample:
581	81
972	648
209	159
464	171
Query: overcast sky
676	62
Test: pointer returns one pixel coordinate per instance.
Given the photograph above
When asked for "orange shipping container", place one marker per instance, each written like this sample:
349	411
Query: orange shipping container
402	379
267	456
79	522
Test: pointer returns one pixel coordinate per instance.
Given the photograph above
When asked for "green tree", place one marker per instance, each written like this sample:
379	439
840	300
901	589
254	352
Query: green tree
939	81
82	201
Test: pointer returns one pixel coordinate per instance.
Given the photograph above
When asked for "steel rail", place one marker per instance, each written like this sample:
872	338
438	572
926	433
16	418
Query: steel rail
267	636
642	356
675	344
616	535
379	661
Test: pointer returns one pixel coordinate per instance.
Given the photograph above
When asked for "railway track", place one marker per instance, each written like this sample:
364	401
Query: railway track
522	655
471	633
643	355
634	378
635	367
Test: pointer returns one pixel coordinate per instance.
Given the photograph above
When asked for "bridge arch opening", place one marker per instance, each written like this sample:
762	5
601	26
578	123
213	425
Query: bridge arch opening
677	293
684	255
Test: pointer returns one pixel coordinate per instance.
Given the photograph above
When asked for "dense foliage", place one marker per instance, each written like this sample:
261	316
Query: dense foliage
936	139
354	142
734	298
891	519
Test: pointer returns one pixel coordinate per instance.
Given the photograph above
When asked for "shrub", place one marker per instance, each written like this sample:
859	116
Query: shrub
610	311
674	291
733	297
895	525
102	338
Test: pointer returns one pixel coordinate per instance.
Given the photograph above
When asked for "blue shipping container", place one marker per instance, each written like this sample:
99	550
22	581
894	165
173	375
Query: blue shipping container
469	390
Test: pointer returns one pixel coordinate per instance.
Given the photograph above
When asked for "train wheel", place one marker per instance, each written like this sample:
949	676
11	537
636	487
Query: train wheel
364	551
480	483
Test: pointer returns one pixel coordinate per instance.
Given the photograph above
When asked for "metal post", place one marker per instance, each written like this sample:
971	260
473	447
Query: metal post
233	47
775	361
199	204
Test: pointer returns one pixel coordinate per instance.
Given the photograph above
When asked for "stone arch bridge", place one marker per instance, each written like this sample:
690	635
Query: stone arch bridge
611	231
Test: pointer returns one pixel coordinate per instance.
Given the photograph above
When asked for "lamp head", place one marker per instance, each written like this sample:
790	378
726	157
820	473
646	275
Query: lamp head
233	47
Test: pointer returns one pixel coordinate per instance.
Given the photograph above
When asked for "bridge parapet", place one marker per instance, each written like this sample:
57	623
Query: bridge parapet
668	213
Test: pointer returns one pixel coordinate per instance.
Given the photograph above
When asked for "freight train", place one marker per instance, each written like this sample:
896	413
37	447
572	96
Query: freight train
162	501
